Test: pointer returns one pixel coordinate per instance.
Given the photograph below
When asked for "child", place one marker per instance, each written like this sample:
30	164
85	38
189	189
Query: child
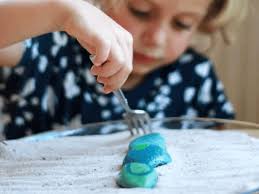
51	84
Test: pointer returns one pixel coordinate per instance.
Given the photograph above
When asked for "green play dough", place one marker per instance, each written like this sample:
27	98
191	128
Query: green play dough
140	147
137	175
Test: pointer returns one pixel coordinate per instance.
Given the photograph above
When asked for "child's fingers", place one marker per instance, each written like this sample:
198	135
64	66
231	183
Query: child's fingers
106	70
125	40
87	46
115	82
103	49
107	90
117	60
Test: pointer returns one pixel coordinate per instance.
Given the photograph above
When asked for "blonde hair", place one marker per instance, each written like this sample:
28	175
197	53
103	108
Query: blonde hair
222	16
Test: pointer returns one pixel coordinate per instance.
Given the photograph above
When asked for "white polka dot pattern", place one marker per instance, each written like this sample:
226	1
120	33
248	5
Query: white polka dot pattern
52	87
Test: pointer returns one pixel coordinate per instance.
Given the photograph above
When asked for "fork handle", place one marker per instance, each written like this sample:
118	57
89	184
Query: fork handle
123	101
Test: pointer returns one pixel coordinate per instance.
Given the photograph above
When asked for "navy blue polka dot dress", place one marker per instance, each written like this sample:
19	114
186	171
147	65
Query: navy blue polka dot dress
52	87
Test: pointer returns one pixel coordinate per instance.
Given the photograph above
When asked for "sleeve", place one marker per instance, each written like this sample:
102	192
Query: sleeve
23	93
43	91
8	94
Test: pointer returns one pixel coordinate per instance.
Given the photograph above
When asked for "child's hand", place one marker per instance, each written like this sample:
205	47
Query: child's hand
110	45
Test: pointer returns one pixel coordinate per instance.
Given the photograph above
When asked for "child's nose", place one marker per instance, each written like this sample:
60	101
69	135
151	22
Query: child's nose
155	36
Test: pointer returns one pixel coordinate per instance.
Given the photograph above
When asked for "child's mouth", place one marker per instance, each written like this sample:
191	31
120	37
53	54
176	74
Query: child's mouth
140	58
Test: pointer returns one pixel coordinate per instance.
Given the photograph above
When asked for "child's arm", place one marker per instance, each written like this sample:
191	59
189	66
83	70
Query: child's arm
21	19
96	32
11	55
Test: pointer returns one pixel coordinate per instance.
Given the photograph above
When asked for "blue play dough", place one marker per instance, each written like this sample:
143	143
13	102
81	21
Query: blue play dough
144	154
151	155
153	138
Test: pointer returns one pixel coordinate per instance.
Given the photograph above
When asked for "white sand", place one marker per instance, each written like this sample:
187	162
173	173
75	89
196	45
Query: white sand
203	162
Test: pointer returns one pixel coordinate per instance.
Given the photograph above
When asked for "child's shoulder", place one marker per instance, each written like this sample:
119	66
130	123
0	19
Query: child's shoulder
192	61
191	67
192	56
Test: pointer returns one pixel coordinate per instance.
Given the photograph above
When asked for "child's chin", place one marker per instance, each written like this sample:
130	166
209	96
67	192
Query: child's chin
141	71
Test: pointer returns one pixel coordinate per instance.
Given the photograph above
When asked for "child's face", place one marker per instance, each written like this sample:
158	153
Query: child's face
161	29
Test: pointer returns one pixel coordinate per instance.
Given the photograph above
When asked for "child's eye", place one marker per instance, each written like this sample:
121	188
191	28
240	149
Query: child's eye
181	25
140	14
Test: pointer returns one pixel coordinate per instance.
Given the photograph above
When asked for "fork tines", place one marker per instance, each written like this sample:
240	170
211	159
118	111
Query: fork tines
138	123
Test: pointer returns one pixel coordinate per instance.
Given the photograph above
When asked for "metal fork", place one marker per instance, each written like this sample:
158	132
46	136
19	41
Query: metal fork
136	119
